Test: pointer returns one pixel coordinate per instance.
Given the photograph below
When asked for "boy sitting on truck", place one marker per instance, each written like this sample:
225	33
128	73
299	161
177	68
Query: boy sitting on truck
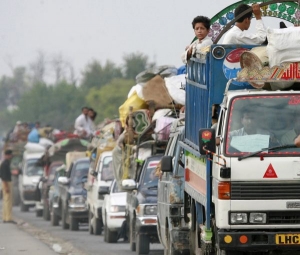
201	26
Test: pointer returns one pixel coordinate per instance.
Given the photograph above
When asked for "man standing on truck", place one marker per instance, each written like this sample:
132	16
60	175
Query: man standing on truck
5	176
238	35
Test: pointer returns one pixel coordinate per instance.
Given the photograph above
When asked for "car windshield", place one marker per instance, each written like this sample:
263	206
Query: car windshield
260	122
150	180
115	188
79	172
32	168
107	173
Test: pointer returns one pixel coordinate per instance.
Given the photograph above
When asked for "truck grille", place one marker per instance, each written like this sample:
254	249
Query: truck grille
283	217
265	190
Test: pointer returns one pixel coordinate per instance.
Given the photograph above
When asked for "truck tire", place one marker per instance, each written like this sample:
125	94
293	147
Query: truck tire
38	213
64	224
54	218
98	227
74	224
142	244
132	235
112	236
91	231
105	234
23	207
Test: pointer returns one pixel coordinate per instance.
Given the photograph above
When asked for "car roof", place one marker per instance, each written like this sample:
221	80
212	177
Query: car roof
81	160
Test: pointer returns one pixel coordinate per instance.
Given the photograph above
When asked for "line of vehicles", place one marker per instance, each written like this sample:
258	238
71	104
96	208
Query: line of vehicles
197	190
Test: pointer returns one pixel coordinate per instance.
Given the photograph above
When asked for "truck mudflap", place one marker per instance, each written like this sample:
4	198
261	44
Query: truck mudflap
259	240
180	239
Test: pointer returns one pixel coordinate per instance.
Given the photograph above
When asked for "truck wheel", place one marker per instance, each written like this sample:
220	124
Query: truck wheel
23	207
195	233
98	226
91	231
74	224
64	224
112	236
38	213
105	234
54	218
142	244
132	235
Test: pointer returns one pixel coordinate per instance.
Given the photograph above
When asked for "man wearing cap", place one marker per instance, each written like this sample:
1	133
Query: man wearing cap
5	175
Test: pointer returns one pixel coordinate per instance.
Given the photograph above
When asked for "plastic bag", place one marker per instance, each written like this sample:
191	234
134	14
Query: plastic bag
175	86
135	102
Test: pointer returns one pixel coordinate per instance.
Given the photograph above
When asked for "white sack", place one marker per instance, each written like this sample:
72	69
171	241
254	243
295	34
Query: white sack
138	88
45	142
34	147
174	85
283	45
161	113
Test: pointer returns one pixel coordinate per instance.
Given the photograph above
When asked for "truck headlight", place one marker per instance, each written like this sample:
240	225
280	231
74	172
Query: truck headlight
117	208
238	218
150	210
77	200
258	218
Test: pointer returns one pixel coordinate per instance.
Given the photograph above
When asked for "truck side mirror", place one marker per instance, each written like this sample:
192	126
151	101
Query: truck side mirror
103	190
166	164
207	140
129	185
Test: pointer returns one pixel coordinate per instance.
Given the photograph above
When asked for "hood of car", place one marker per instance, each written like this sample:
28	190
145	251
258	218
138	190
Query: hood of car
118	198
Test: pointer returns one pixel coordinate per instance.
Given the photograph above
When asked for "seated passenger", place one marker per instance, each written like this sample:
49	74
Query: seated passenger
249	122
201	26
290	136
238	35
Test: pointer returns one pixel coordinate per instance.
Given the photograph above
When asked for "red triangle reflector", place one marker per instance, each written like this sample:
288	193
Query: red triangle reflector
270	173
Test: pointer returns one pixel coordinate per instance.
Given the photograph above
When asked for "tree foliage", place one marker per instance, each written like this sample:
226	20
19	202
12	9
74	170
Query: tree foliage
96	75
134	63
107	100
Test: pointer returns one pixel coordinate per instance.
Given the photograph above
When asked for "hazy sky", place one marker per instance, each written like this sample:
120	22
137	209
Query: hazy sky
82	30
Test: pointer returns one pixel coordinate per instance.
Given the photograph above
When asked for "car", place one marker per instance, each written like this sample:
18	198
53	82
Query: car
72	195
99	177
113	212
141	208
29	178
54	209
47	182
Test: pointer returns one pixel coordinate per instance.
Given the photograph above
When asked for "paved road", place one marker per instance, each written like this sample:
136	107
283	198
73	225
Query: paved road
83	243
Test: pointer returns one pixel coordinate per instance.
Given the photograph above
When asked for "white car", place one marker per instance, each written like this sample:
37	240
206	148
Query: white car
100	178
29	179
113	213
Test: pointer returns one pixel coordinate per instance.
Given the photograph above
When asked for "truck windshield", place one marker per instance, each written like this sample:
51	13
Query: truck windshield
33	169
150	179
257	122
79	172
107	173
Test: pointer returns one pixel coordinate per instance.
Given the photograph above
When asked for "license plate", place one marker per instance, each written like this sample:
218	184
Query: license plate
287	239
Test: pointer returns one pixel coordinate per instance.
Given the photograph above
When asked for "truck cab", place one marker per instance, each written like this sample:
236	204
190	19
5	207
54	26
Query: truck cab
141	208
